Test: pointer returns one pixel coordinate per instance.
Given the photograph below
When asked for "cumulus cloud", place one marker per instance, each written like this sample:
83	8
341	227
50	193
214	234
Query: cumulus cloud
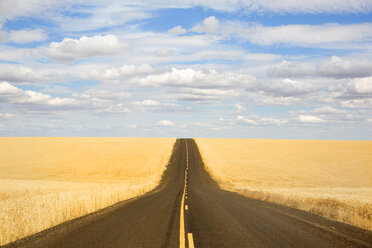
165	123
6	116
277	101
70	49
22	74
24	8
149	105
335	67
284	92
189	77
257	120
127	71
115	12
119	108
28	99
177	30
163	52
27	35
286	88
361	85
312	6
327	110
103	95
116	74
23	35
209	25
326	35
202	95
103	14
327	114
310	119
166	41
352	93
238	108
358	103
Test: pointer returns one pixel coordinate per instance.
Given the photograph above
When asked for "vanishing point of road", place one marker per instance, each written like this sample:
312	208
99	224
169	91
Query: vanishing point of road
189	210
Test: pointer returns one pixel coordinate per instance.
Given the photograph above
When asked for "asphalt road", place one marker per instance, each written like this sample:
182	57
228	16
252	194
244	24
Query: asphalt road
189	210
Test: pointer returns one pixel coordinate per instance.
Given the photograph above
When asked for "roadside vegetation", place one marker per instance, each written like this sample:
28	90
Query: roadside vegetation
47	181
328	178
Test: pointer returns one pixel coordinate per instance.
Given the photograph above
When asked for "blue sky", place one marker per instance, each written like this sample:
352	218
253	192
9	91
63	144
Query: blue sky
234	69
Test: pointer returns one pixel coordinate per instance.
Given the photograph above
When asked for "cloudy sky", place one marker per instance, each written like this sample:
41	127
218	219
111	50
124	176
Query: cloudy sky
190	68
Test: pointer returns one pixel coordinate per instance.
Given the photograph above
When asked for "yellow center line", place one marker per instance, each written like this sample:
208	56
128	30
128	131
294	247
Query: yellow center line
191	240
182	214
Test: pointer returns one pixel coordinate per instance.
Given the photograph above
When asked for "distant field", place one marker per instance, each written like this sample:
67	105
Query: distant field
330	178
46	181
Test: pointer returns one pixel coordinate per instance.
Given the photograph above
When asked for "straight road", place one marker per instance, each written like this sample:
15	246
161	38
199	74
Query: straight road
189	210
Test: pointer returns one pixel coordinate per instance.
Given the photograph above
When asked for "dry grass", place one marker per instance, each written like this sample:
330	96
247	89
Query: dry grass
46	181
329	178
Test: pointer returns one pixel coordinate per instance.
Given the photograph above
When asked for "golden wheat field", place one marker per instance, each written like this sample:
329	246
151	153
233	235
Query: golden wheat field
329	178
46	181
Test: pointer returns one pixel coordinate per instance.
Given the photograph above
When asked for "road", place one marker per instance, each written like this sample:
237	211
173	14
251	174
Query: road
189	210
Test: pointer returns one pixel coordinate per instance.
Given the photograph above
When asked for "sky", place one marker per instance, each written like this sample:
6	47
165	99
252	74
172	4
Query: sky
192	68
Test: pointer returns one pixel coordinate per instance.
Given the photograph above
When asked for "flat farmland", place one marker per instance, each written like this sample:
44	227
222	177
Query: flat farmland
46	181
329	178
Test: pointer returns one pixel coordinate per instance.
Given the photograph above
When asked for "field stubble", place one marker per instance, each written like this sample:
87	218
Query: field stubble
328	178
47	181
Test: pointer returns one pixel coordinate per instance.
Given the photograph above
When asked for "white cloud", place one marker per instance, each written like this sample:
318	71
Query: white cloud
177	30
326	110
202	95
257	120
167	41
115	74
10	53
22	36
245	120
27	35
103	95
209	25
327	114
354	93
190	77
103	14
22	74
361	85
114	13
277	101
3	35
326	35
127	71
311	6
163	52
149	105
8	11
6	116
310	119
358	103
286	88
165	123
334	67
238	108
28	99
98	45
8	90
113	109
